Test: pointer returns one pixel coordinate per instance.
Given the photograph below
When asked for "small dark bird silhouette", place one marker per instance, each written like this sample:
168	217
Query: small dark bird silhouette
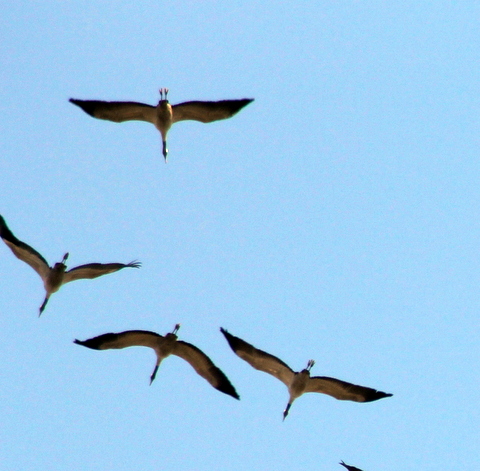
165	346
56	276
350	468
164	115
300	382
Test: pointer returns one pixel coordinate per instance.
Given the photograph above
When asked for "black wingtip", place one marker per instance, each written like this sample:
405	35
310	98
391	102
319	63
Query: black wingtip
96	343
6	233
239	104
230	338
350	468
87	106
376	395
235	342
229	389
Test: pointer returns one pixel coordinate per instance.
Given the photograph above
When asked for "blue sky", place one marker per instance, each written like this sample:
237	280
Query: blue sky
334	218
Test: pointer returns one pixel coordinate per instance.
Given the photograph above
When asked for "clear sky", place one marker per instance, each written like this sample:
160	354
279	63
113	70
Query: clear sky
334	218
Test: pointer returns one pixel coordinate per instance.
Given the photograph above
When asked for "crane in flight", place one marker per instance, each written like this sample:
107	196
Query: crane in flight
165	346
54	277
164	115
300	382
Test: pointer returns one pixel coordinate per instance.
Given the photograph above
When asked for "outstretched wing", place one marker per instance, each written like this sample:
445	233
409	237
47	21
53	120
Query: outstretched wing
342	390
117	111
129	338
259	359
205	367
94	270
208	111
23	251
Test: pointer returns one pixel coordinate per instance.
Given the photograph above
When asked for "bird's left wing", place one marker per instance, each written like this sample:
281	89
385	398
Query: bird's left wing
205	367
93	270
342	390
208	111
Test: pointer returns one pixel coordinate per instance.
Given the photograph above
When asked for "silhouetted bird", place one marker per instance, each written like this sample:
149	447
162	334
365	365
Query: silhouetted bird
350	468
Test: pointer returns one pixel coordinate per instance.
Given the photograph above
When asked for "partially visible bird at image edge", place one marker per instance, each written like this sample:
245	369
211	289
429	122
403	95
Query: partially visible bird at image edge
350	468
56	276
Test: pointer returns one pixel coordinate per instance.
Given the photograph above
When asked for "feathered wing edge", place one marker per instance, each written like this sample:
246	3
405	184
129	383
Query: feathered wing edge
23	251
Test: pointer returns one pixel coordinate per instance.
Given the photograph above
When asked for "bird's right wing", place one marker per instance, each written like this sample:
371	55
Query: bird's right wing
117	111
259	359
129	338
23	251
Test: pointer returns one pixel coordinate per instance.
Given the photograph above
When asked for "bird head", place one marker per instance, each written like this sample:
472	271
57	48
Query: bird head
163	91
173	333
309	365
61	265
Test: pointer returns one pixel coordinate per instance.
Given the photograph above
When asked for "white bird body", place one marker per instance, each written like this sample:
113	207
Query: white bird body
164	347
54	277
164	115
300	382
